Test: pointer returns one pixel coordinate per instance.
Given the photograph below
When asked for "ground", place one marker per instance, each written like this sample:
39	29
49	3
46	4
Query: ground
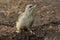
46	24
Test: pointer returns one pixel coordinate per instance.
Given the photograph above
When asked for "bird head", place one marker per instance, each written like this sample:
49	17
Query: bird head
30	7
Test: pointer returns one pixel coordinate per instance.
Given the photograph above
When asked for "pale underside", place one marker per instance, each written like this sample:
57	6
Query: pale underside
24	21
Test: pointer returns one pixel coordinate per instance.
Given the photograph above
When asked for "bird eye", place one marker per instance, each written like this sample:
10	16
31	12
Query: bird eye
30	6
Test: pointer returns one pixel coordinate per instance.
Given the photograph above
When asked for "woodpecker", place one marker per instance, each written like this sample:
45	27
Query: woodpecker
26	18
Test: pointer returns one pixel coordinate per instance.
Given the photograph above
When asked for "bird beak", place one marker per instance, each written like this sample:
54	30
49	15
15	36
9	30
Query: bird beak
35	5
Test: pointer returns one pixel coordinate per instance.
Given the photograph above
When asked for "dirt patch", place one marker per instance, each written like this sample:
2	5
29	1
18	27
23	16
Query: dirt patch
47	19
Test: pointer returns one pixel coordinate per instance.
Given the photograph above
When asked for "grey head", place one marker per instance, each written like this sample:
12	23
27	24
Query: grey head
30	7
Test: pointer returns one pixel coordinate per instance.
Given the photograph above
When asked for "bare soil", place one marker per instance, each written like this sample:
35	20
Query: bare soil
46	24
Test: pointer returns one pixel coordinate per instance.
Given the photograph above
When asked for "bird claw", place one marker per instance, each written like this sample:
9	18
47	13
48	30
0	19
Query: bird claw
32	32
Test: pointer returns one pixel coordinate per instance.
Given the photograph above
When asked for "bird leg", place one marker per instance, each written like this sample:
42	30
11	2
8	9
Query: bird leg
31	31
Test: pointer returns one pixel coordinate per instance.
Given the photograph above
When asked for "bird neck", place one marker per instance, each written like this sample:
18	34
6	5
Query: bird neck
27	12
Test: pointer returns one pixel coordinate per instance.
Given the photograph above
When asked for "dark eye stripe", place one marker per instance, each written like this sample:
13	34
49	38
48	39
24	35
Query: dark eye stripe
30	6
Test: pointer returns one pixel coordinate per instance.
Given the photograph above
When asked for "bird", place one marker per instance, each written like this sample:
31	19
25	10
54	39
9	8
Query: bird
25	19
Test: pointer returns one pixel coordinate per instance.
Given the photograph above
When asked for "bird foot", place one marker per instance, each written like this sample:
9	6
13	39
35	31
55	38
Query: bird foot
32	32
17	31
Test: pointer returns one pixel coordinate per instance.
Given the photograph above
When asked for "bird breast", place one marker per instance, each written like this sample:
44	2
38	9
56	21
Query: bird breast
25	20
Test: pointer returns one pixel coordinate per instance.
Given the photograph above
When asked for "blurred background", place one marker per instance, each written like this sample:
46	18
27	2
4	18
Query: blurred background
46	22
